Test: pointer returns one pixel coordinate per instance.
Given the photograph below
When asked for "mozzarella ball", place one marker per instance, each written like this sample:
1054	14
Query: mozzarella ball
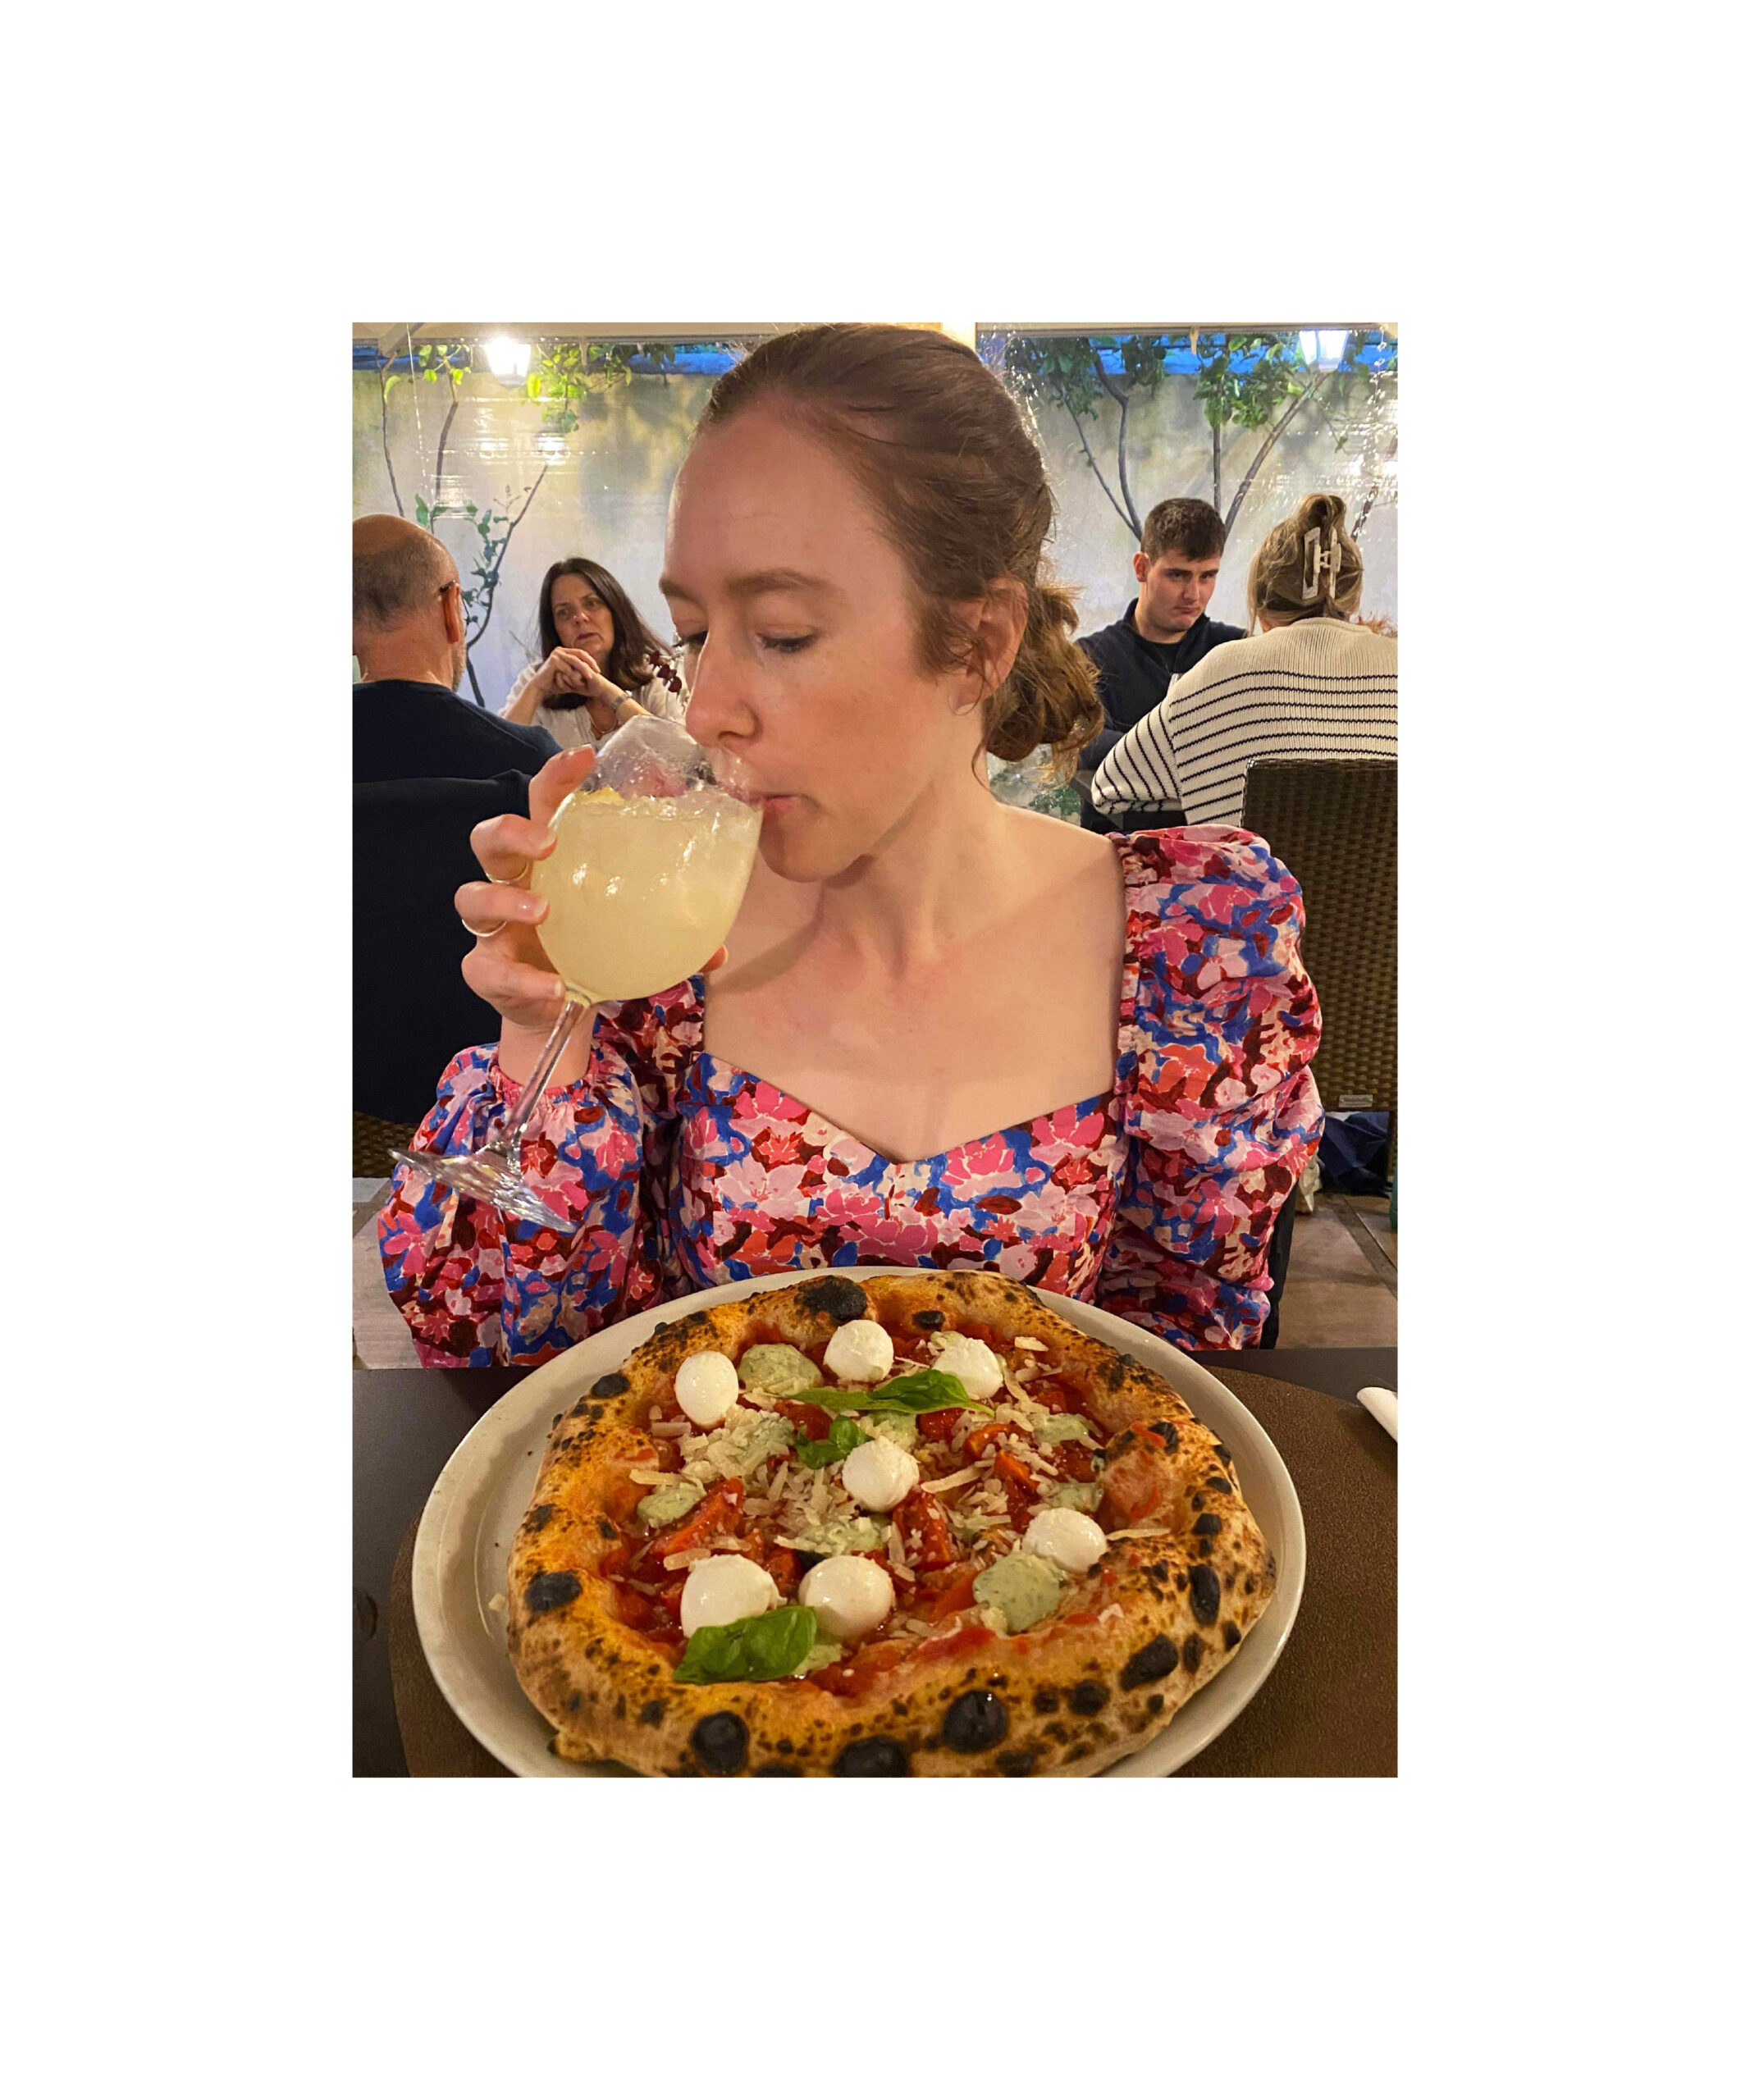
861	1350
707	1386
849	1594
1066	1536
878	1474
723	1588
975	1364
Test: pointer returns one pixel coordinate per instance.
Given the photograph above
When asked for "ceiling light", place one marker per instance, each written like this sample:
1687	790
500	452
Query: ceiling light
509	360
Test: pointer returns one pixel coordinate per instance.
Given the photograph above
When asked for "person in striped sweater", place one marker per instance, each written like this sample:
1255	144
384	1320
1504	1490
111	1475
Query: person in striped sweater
1309	683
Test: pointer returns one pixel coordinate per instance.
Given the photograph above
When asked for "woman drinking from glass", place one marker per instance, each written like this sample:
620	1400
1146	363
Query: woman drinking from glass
948	1033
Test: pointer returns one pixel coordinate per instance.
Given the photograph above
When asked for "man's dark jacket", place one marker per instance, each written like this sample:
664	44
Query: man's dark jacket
1133	672
405	730
426	768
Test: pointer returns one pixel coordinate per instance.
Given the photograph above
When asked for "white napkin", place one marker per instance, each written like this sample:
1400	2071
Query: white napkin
1382	1406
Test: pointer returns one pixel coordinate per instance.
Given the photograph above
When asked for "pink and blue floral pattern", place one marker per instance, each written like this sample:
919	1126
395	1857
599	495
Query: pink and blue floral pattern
1155	1201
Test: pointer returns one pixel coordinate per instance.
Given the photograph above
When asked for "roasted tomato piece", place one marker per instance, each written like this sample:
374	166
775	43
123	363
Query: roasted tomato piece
955	1641
954	1595
928	1537
1019	1489
813	1423
718	1511
939	1427
1074	1461
981	1440
781	1563
635	1608
850	1680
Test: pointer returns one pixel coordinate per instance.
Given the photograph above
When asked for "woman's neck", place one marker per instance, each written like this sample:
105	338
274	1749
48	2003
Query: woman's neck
946	870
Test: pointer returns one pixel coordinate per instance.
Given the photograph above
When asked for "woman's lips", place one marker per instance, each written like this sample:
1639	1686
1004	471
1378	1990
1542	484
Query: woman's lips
778	806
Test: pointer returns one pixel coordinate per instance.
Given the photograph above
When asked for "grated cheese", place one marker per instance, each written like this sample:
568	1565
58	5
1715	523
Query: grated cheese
1143	1531
949	1480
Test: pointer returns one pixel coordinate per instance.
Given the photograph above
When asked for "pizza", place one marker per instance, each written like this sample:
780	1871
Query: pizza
916	1525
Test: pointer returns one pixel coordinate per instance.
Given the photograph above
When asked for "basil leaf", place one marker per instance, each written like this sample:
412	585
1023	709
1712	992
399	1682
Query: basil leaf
914	1392
749	1650
840	1440
923	1392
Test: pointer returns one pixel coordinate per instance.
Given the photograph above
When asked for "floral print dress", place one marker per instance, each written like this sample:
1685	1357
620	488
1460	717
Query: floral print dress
1155	1201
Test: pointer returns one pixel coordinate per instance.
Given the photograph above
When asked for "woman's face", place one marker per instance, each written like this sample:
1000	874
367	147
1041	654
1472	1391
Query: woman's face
799	629
581	618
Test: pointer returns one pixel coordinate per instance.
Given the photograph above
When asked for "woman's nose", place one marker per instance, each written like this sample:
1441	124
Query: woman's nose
718	706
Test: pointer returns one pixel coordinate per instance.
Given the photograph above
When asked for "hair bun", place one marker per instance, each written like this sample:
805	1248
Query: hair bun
1318	512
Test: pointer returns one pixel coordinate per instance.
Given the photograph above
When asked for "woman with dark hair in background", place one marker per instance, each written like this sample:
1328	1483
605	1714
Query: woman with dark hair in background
950	1034
600	665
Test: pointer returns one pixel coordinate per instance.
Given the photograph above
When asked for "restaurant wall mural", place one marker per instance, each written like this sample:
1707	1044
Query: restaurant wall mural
518	460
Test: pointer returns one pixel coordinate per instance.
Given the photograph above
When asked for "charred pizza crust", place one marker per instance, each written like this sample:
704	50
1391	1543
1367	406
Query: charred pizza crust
1156	1618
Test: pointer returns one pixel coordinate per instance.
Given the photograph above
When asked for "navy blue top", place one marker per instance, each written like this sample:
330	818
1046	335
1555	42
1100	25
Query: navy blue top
403	730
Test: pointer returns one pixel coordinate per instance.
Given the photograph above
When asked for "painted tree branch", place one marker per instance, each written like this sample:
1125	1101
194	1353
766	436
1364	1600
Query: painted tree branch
382	391
1095	465
489	583
1123	400
1374	493
1269	446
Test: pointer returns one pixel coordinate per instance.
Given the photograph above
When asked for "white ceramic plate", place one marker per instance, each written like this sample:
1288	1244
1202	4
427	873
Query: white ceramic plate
465	1535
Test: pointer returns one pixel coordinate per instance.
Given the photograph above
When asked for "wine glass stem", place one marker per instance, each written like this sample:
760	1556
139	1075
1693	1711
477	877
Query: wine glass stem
509	1142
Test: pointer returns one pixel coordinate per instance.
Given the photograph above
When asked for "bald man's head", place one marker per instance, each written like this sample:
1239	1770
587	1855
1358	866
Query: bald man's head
403	607
397	571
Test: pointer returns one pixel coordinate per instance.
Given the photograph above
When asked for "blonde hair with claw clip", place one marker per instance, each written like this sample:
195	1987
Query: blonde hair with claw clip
1307	568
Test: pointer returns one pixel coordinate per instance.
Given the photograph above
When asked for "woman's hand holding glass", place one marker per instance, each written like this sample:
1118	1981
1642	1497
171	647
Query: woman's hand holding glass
507	966
653	861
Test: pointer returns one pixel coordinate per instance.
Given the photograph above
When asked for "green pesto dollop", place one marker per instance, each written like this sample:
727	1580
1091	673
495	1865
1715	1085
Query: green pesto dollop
674	1498
745	1437
1065	1429
1020	1585
776	1367
852	1534
1074	1494
900	1429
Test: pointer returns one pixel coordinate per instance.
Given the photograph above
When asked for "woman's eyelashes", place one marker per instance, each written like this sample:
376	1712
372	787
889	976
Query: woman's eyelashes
782	645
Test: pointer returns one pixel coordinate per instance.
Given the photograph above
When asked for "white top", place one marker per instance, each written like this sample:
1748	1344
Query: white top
1318	688
571	727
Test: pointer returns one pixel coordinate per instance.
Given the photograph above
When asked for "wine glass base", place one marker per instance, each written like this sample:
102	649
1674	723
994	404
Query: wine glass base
488	1180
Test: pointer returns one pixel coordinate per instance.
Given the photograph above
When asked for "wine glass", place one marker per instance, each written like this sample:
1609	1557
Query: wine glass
653	853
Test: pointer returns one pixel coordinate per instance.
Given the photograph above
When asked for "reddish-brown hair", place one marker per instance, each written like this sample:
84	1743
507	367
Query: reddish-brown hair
959	487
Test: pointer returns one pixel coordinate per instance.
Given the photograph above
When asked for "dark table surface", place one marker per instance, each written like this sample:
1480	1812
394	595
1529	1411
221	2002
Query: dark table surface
1328	1707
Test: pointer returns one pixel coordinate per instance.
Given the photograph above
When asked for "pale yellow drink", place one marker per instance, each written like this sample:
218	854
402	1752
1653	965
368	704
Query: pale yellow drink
641	893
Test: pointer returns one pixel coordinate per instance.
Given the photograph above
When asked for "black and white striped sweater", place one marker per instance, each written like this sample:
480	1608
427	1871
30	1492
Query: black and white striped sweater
1320	688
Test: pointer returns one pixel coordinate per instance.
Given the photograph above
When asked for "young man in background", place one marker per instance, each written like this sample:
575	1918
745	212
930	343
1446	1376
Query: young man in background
1165	628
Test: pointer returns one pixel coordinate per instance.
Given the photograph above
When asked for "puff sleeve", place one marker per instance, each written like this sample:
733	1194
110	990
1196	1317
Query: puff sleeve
478	1288
1218	1028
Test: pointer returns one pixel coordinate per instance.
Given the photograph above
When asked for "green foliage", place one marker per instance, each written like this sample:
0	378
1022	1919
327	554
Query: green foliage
1245	380
566	373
